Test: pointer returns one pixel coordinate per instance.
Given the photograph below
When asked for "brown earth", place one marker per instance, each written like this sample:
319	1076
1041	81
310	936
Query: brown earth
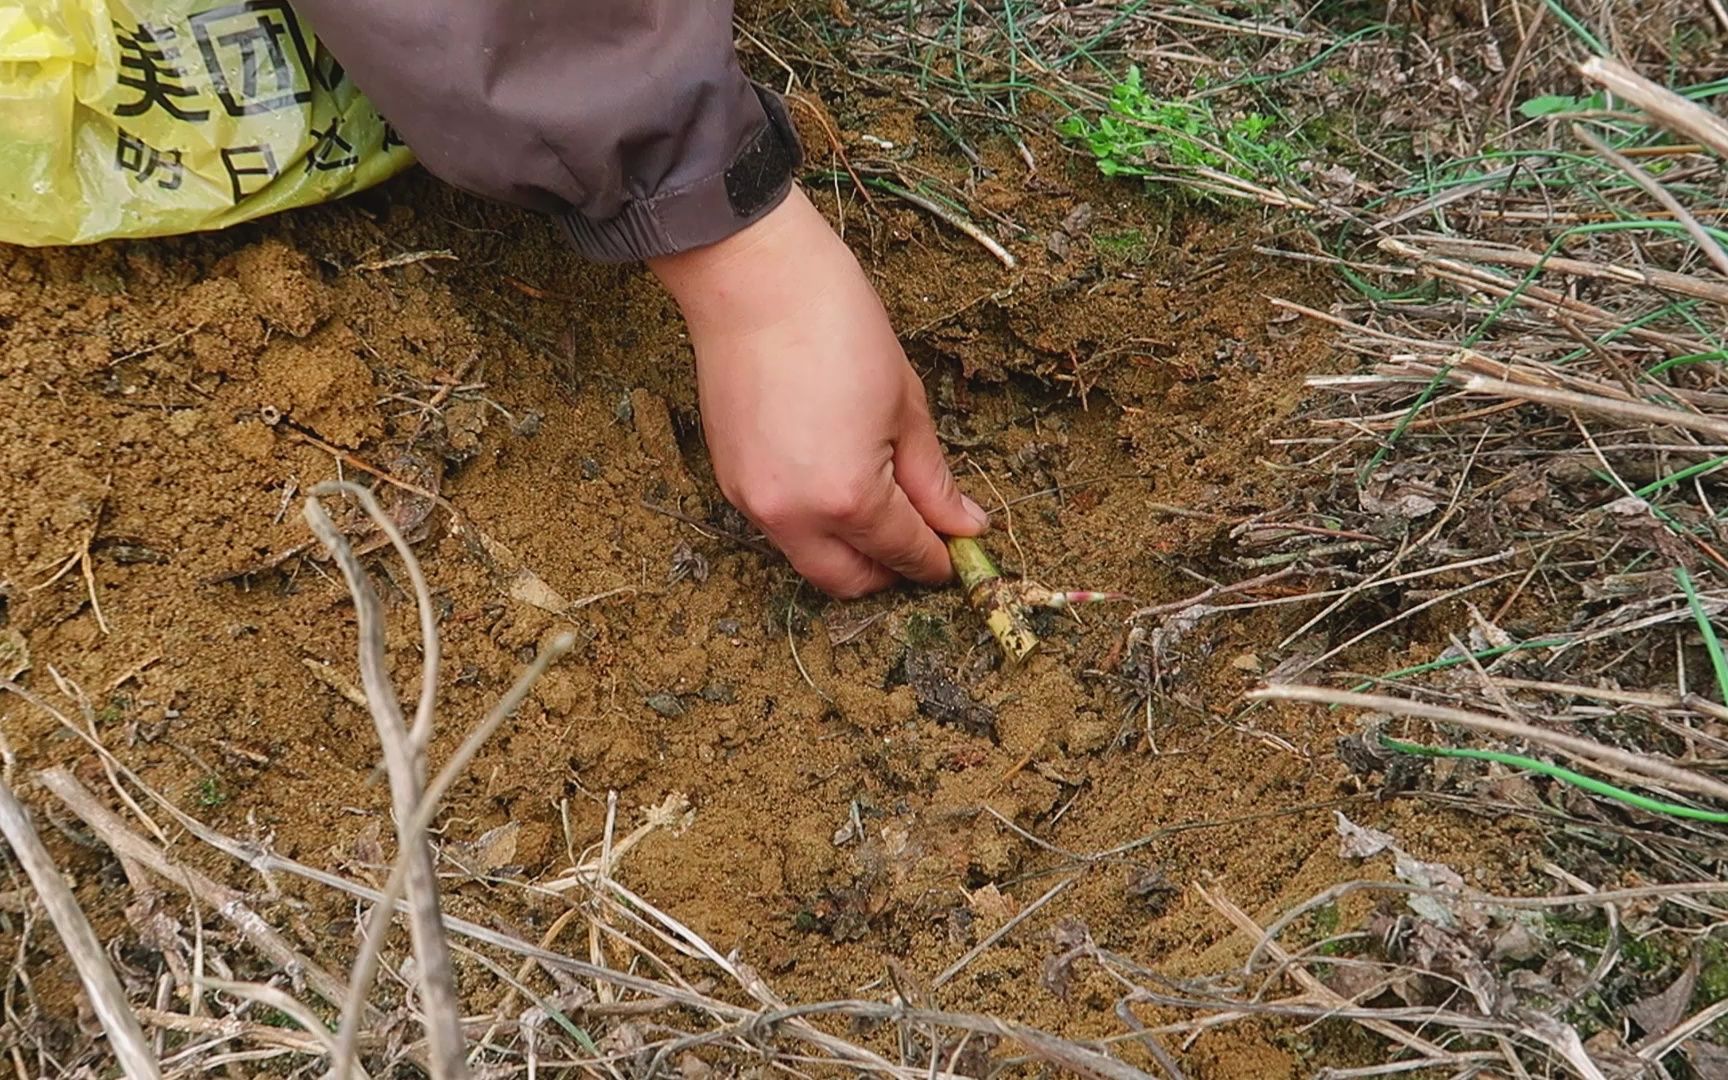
166	406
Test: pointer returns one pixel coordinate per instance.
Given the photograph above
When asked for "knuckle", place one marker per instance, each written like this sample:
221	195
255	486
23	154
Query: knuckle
772	514
904	553
768	507
842	579
851	513
730	493
849	504
849	590
854	584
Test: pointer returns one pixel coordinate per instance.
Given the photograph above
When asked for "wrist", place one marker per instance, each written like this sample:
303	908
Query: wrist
758	275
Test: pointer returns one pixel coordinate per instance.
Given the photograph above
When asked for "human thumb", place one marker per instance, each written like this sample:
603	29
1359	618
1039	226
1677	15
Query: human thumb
923	474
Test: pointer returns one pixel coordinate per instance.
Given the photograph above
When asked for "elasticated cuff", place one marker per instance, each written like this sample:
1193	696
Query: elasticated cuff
703	213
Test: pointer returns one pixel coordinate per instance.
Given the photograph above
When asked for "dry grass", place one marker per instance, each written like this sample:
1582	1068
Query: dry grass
1527	461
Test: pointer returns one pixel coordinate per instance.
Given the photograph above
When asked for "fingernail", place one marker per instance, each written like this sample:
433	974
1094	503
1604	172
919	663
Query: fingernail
975	512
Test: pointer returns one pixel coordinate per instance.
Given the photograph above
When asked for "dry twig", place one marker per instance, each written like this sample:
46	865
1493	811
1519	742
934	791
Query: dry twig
106	997
404	761
1683	117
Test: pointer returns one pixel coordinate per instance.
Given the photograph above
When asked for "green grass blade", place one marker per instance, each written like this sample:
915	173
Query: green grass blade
1560	772
1463	658
1680	477
1577	27
1718	357
1711	644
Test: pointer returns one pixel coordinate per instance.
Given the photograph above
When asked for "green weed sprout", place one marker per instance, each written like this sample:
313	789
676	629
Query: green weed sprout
1138	135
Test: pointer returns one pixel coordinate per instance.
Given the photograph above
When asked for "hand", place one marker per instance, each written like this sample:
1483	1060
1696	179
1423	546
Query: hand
816	422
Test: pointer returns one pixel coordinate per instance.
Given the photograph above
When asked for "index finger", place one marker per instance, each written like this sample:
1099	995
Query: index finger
899	538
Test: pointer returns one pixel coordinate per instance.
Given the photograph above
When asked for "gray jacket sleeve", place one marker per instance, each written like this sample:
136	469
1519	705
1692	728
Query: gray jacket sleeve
630	120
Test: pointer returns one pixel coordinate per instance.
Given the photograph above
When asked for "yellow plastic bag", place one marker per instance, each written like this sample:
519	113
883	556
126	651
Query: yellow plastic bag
154	117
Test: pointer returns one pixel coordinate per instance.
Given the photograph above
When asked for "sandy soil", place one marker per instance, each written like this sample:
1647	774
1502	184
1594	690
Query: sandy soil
166	405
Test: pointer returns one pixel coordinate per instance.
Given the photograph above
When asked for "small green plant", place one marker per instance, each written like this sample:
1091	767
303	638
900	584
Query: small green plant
1713	978
1142	135
1122	245
1588	936
925	631
1326	920
210	792
279	1019
1559	104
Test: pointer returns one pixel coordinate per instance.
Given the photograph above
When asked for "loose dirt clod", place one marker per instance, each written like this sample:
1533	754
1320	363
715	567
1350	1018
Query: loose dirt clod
943	699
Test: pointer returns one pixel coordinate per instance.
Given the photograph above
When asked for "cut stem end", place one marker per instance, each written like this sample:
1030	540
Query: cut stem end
995	598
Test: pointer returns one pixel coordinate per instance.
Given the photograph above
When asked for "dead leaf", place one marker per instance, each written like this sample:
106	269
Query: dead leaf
1071	933
1607	1050
492	850
624	1040
1354	981
907	986
1050	773
1360	842
1567	971
569	999
672	812
14	654
1659	1013
1152	887
1709	1060
691	1067
1485	634
852	830
531	589
523	584
1292	667
1527	488
1436	948
368	850
1515	788
1337	181
968	1054
334	679
1439	909
1517	943
841	631
1403	501
1072	938
1362	753
687	562
846	913
991	906
1628	506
